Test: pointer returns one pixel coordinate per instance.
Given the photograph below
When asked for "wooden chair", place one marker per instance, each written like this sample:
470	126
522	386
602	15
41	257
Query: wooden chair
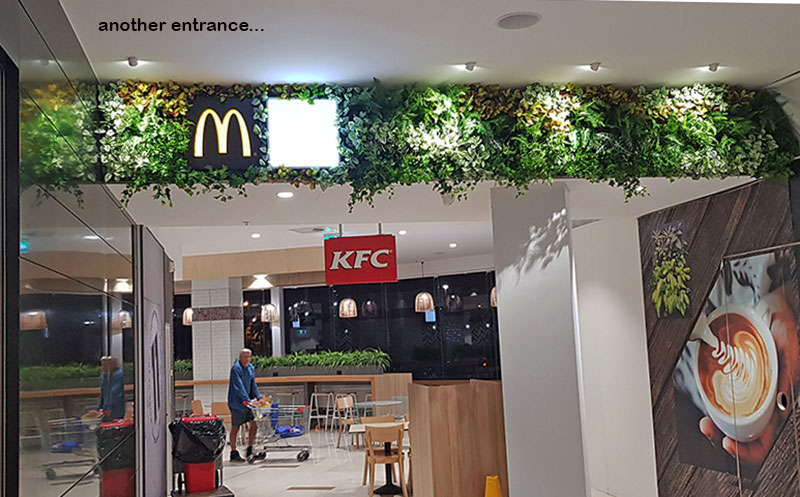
367	420
345	415
376	437
197	407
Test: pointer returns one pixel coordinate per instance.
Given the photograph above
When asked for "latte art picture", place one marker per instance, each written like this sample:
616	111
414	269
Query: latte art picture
736	376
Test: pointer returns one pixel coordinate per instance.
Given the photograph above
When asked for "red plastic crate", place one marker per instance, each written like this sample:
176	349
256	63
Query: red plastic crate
117	483
200	477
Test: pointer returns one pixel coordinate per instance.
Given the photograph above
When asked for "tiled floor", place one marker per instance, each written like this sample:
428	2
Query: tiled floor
327	467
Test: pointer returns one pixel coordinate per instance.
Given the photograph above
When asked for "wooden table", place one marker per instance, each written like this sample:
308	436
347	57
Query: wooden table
390	488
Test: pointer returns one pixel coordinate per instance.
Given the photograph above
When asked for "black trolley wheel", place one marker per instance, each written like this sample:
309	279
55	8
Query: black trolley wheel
303	456
50	473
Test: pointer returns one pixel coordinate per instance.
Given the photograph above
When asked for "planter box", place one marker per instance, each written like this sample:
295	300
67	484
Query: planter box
187	375
314	371
60	384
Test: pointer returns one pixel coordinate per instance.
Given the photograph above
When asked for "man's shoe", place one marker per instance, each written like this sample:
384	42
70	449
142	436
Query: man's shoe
235	457
249	452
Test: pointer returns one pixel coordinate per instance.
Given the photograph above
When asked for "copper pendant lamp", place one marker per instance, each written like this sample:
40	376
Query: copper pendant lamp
348	308
32	320
187	316
423	302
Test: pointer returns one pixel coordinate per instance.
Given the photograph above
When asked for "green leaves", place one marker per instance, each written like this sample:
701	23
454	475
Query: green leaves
671	274
328	359
454	137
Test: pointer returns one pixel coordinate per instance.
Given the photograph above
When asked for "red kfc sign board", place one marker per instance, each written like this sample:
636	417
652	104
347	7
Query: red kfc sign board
360	259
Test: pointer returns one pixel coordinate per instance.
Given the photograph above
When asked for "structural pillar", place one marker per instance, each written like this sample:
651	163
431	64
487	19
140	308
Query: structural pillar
538	342
276	299
217	334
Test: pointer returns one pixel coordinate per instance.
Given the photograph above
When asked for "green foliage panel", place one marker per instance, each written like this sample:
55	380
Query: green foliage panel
453	137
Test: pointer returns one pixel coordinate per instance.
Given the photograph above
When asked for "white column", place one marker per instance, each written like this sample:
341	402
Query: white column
619	432
217	334
276	298
538	343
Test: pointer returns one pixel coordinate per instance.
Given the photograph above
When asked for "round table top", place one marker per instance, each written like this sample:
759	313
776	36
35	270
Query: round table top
379	403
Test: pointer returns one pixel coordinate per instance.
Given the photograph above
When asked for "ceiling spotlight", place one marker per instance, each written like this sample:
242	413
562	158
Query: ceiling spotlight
402	232
453	245
594	66
133	61
285	194
713	66
518	20
470	66
255	236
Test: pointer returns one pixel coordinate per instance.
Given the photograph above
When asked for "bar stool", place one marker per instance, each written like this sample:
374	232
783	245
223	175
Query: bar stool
318	402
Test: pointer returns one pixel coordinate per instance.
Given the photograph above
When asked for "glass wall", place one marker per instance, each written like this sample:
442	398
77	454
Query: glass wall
182	334
457	340
76	279
257	334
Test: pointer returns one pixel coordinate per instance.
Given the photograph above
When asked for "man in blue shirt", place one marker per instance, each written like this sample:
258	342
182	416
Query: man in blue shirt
112	390
242	388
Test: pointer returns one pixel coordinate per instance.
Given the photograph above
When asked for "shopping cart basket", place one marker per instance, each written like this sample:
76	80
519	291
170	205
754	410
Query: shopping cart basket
283	428
72	436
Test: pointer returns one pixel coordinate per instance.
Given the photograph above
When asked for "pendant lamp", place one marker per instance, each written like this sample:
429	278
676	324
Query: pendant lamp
454	303
269	313
493	297
32	320
122	320
423	302
369	309
348	308
187	316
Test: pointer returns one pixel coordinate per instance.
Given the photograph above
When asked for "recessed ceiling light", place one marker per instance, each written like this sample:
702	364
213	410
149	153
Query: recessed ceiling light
91	237
402	232
285	194
133	61
713	67
255	236
470	66
453	245
518	20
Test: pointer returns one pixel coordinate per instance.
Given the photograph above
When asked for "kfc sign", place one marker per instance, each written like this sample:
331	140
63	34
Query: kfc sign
360	259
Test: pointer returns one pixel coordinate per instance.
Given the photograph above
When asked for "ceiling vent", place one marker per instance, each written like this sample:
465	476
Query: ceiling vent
315	230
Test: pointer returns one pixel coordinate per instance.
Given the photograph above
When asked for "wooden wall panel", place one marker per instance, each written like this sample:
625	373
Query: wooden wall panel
388	385
458	438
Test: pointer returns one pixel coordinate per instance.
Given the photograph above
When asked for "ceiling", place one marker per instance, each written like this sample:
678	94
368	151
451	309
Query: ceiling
200	225
352	41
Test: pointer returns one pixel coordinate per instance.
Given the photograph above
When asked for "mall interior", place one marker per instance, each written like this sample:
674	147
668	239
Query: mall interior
516	248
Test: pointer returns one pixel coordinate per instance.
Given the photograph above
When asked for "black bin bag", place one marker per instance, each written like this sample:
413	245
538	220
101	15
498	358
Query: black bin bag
197	439
116	445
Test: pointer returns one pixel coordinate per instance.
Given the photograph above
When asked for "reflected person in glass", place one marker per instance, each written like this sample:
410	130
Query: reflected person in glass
112	390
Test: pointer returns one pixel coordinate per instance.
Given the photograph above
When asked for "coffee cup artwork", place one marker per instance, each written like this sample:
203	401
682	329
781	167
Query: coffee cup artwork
739	367
737	377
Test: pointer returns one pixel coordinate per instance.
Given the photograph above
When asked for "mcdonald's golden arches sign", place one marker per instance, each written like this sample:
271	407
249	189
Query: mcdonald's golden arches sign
223	134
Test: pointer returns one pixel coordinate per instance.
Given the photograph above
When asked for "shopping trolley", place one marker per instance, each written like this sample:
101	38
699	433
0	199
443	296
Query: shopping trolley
72	436
283	428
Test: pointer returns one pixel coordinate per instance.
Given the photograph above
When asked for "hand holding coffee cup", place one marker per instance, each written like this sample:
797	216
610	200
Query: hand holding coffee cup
757	418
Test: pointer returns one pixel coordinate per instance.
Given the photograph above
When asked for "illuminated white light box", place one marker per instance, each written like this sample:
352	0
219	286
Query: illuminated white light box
303	134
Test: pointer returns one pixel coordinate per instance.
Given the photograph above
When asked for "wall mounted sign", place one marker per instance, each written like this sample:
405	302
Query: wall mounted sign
223	134
360	259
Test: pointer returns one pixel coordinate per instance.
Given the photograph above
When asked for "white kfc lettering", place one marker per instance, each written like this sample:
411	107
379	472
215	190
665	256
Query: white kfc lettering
374	259
340	259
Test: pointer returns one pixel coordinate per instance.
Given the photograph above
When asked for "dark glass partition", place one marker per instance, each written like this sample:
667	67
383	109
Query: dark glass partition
457	340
